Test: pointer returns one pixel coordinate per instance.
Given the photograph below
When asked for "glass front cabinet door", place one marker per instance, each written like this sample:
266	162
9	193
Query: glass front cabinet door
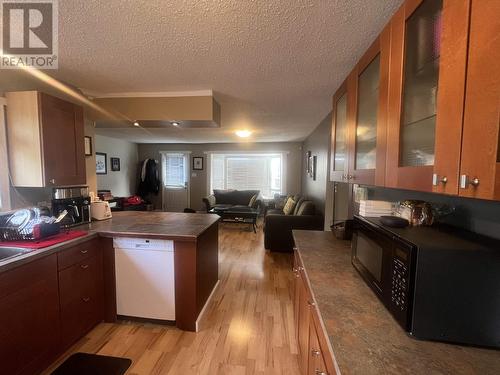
415	68
367	132
339	162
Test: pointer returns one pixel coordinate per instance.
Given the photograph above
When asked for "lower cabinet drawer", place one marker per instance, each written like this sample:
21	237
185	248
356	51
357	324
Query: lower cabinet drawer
81	298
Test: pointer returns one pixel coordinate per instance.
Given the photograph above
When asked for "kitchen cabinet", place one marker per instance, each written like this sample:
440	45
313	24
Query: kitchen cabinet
359	118
420	110
317	363
367	114
443	127
45	136
29	317
339	163
480	154
314	357
415	66
81	290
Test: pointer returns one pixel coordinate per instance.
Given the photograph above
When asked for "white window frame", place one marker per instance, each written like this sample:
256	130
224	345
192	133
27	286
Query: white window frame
4	178
284	170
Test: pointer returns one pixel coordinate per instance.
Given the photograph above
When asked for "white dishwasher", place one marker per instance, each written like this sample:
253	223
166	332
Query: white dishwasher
145	285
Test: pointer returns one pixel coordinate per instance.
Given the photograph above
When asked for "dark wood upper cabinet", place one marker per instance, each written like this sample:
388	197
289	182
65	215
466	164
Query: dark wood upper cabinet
46	140
339	153
415	66
480	159
367	114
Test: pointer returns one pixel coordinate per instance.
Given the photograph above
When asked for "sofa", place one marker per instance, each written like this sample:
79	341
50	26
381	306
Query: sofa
278	225
224	199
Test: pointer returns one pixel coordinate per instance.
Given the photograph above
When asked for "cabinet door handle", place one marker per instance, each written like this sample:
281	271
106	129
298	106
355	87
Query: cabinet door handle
84	266
311	303
315	352
465	181
84	251
52	181
319	372
436	179
86	299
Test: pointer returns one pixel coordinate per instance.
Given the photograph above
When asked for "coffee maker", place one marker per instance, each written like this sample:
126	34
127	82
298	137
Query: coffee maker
76	201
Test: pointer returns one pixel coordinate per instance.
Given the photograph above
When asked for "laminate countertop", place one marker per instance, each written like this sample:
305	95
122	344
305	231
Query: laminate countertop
364	337
153	224
144	224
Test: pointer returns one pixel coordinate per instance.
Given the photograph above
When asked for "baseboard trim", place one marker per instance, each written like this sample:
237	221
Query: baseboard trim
203	310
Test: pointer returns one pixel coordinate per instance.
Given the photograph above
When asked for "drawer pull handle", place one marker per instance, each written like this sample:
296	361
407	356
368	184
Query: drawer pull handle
311	303
84	251
86	299
315	352
84	266
319	372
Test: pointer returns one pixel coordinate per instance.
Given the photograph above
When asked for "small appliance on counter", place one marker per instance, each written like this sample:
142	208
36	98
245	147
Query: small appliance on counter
76	201
100	210
439	283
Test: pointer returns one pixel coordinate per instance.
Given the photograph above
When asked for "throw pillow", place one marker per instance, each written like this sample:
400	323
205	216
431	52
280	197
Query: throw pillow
252	200
289	206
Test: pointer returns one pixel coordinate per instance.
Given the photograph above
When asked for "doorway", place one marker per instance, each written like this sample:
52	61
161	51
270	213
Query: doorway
175	181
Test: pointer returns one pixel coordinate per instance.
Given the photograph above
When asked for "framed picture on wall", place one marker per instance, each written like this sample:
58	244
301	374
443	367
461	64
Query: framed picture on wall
88	146
198	163
115	164
101	163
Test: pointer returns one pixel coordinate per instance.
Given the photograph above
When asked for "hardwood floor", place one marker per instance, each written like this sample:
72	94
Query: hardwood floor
248	327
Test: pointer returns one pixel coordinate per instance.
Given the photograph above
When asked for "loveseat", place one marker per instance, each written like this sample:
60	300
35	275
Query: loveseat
224	199
278	224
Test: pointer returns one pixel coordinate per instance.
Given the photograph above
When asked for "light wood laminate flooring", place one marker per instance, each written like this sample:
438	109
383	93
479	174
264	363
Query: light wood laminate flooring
248	327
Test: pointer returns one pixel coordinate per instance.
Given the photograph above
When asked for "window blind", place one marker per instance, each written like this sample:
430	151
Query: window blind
175	170
262	172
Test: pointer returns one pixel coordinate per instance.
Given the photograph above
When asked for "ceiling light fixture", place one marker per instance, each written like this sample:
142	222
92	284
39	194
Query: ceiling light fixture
175	123
136	123
243	133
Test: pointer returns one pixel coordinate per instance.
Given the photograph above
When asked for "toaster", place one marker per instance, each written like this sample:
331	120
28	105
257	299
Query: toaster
100	210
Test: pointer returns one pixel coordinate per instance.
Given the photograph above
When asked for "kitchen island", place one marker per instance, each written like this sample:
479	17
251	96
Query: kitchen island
361	335
195	239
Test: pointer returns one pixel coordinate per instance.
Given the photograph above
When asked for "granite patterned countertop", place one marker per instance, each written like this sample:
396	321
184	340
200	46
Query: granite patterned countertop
147	224
364	337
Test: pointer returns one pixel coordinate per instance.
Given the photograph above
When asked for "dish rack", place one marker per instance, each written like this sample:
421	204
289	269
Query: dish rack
32	231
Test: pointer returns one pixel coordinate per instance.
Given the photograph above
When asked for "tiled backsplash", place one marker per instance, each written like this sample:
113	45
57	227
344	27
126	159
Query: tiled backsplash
476	215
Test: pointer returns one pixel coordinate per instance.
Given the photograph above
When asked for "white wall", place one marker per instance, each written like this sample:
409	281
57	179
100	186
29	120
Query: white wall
124	182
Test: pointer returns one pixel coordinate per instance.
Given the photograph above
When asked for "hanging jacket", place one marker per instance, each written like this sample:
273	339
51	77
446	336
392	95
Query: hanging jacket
149	181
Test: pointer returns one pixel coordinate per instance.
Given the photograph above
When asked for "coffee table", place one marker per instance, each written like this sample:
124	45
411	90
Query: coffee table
242	215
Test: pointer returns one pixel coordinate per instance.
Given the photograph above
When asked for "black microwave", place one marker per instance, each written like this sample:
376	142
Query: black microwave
439	283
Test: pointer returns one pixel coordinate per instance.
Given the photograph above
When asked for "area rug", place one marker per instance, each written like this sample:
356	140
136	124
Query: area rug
93	364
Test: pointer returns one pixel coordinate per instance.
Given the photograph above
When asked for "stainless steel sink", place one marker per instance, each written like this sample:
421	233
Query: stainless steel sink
11	252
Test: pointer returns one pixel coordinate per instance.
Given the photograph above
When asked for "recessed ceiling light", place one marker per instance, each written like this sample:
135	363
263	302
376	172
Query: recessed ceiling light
136	123
243	133
175	123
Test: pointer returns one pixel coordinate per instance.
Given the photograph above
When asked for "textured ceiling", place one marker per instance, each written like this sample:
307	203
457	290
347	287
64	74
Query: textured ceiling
273	65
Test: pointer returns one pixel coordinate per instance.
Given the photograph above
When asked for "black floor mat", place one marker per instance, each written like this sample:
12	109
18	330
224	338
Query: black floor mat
93	364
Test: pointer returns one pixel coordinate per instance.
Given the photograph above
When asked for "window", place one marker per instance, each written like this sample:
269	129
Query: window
175	170
4	165
263	171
